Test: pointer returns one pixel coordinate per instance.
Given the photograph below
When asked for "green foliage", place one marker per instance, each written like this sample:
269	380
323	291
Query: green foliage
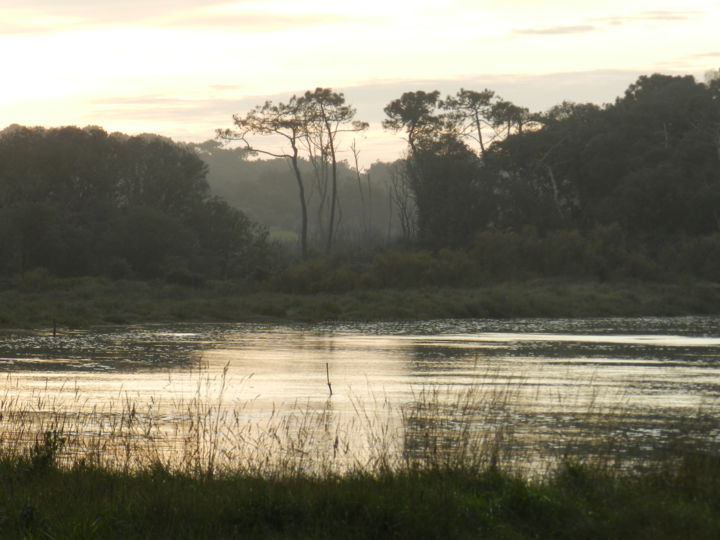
415	112
650	162
445	179
148	239
318	275
629	190
357	295
83	202
692	256
401	269
680	500
35	280
646	162
605	253
44	453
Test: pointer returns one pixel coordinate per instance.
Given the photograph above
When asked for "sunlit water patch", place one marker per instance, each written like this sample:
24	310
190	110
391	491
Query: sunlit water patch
239	395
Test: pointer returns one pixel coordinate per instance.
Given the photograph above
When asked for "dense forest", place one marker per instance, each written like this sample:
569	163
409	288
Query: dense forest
83	202
648	162
486	190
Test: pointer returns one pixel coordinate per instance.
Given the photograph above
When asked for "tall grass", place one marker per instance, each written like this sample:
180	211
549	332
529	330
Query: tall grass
208	433
486	425
444	464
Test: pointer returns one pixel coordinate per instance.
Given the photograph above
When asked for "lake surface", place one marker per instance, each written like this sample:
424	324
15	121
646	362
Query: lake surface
530	390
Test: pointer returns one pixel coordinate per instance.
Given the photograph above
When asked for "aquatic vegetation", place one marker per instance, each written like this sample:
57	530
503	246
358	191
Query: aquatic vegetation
466	458
200	470
484	426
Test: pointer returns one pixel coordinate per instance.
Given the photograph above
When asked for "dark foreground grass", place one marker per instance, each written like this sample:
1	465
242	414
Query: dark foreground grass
681	500
39	300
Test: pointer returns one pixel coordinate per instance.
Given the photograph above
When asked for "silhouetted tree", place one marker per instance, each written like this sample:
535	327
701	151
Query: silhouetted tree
447	194
643	161
285	120
417	114
80	201
327	116
471	113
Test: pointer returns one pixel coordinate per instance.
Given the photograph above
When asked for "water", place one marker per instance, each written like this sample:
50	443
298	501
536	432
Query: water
539	388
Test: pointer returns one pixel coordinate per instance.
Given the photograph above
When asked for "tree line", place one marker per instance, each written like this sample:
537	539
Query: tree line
477	168
649	162
84	202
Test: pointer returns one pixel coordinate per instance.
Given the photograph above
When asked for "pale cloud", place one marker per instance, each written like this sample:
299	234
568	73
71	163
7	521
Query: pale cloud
41	16
557	30
712	54
265	16
154	107
23	21
651	16
183	67
100	13
595	24
255	22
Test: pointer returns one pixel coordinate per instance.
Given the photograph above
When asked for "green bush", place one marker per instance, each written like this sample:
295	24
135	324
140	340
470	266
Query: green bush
35	280
603	253
317	275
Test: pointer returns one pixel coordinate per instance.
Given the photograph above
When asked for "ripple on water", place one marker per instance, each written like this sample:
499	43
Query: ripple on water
554	375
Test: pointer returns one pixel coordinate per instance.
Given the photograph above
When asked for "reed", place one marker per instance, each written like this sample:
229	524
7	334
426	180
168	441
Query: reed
444	464
486	425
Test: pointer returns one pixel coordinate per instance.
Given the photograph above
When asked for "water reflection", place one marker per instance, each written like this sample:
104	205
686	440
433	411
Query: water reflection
413	391
117	349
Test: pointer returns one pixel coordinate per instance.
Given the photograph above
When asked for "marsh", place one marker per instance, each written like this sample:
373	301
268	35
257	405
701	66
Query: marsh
228	395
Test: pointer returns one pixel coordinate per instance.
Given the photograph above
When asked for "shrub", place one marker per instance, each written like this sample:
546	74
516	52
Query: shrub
37	279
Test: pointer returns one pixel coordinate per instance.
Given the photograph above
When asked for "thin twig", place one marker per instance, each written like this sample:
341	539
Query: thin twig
327	373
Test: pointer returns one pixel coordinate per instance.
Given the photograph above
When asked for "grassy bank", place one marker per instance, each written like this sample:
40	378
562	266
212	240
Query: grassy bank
682	501
37	301
450	470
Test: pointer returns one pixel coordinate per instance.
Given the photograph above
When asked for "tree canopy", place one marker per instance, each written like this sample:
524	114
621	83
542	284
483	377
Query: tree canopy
81	201
649	162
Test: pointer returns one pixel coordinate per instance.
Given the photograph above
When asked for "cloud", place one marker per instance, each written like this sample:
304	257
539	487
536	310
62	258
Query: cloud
713	54
556	30
256	22
650	16
38	16
691	62
107	11
599	23
42	16
157	107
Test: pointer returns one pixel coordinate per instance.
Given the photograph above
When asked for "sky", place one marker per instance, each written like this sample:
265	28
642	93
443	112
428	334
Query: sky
182	68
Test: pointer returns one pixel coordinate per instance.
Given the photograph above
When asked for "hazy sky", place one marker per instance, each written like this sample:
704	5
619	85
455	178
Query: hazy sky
183	67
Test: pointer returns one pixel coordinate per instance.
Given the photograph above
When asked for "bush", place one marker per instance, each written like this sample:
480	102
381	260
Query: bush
37	279
183	276
317	275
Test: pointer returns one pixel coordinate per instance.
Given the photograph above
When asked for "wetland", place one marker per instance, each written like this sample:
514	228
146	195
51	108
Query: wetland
255	396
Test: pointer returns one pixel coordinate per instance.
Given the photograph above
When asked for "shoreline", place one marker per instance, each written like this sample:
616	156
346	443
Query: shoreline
85	302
